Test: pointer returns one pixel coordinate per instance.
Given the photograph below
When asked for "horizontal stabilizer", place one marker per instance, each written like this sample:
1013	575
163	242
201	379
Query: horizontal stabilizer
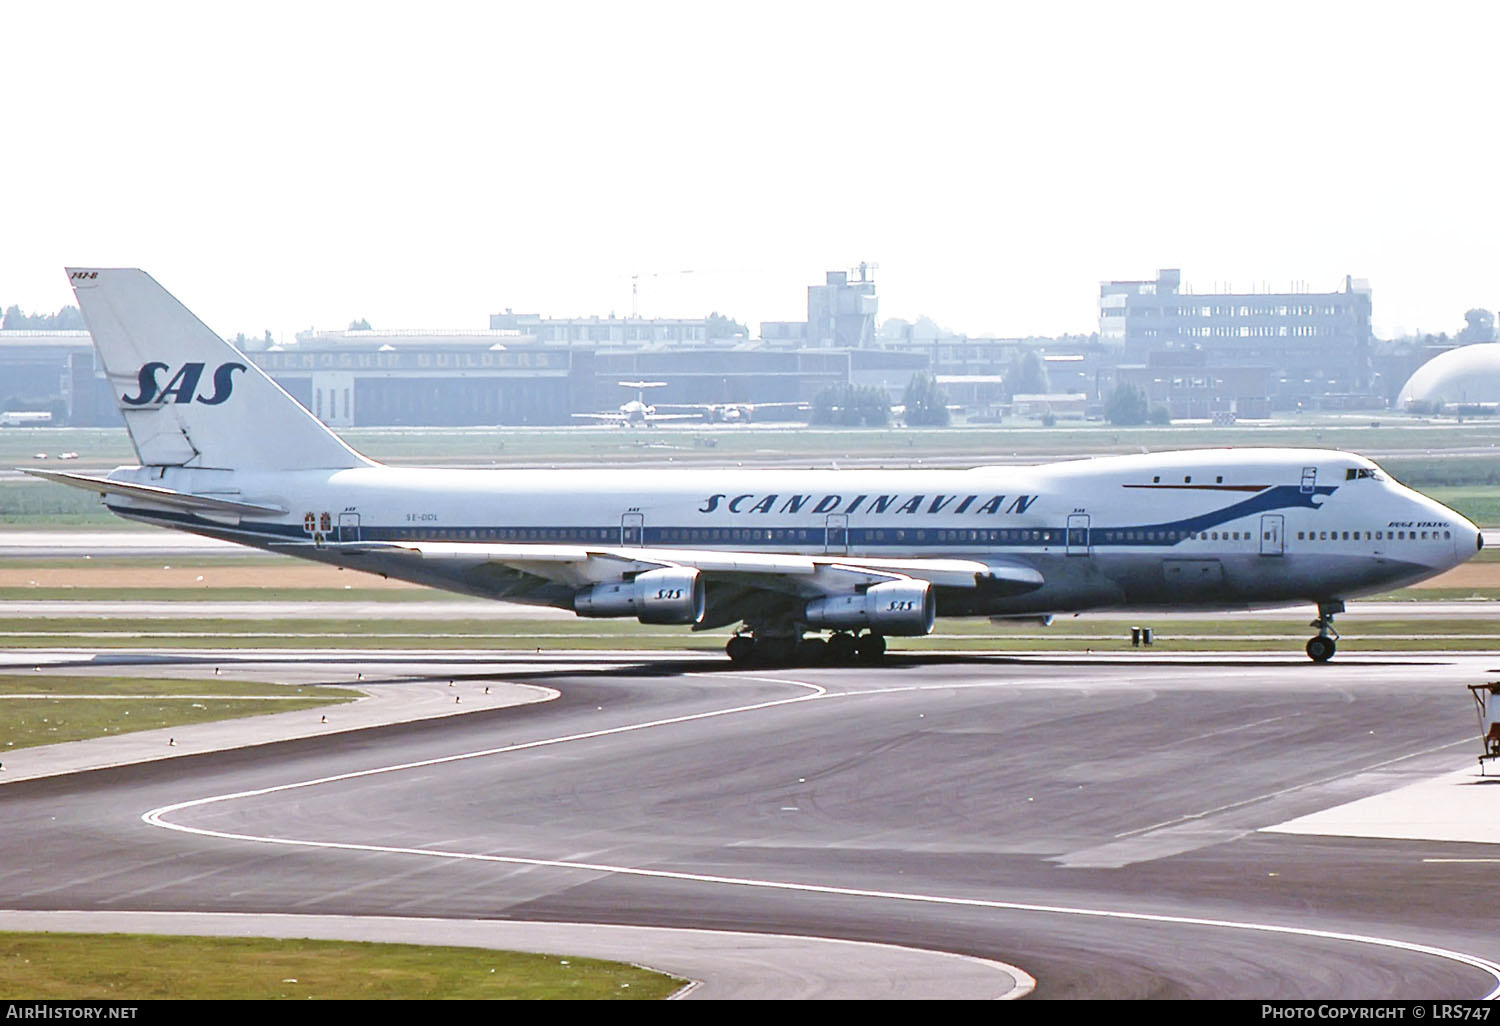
159	496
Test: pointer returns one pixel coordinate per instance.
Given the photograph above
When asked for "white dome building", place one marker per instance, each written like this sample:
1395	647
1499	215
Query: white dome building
1469	376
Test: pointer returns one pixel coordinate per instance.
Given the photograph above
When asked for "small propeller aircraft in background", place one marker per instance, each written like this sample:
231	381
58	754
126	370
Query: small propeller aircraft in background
638	412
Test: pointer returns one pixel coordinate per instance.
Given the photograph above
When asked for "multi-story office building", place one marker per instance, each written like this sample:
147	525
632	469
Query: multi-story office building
1315	346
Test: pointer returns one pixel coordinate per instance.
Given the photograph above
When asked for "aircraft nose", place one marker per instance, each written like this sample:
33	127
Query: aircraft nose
1467	540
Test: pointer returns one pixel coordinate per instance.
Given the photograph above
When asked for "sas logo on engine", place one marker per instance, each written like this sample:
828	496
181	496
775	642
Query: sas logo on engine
181	387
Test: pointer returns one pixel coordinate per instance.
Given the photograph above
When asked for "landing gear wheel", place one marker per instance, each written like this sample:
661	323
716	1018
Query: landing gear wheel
872	648
811	651
1321	649
741	649
842	648
776	651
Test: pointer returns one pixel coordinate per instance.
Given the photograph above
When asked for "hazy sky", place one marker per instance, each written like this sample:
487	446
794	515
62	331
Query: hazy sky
285	166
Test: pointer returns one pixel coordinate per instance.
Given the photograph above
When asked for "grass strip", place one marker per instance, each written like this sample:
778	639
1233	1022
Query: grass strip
1103	633
211	594
139	967
124	705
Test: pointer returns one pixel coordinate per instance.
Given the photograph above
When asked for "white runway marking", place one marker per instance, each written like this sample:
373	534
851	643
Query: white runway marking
1292	790
156	817
1462	861
1457	807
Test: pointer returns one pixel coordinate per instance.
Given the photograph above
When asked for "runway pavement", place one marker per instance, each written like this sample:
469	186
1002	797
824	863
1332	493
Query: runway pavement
1110	827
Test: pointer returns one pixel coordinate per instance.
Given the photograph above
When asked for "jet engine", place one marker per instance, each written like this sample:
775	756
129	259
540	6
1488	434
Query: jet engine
897	608
673	594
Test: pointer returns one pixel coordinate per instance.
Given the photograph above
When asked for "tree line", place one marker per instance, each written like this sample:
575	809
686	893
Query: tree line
924	404
67	319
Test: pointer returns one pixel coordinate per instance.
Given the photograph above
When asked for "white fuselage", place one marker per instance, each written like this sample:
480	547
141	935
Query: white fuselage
1192	529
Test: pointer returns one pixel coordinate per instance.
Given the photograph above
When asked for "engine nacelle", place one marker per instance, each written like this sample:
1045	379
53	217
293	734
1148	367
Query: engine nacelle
673	594
897	608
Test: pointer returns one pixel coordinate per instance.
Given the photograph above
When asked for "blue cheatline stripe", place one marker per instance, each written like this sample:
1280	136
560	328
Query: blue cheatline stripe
777	537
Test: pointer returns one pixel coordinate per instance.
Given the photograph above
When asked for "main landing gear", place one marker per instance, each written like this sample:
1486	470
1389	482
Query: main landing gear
1321	648
841	648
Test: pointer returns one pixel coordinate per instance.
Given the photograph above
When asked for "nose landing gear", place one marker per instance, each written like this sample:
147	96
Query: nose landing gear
1321	648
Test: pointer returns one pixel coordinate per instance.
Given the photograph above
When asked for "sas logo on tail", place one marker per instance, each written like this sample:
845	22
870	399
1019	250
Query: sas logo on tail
183	386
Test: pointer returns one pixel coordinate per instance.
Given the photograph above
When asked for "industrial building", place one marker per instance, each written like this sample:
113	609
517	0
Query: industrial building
432	377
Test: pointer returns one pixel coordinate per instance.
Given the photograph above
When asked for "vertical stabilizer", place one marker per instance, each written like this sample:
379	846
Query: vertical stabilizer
189	398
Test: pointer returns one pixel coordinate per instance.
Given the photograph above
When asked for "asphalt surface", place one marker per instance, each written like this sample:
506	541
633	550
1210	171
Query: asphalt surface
1142	827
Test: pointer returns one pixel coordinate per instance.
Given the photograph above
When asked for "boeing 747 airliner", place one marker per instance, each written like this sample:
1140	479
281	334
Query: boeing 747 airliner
786	555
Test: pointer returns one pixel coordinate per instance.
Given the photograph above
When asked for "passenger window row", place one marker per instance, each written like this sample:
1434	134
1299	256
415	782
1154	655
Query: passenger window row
1377	536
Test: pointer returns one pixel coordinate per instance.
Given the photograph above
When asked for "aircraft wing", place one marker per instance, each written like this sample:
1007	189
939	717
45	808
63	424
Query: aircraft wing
586	564
737	576
708	407
616	418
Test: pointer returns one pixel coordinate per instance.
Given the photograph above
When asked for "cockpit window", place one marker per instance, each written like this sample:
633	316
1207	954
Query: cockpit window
1354	473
